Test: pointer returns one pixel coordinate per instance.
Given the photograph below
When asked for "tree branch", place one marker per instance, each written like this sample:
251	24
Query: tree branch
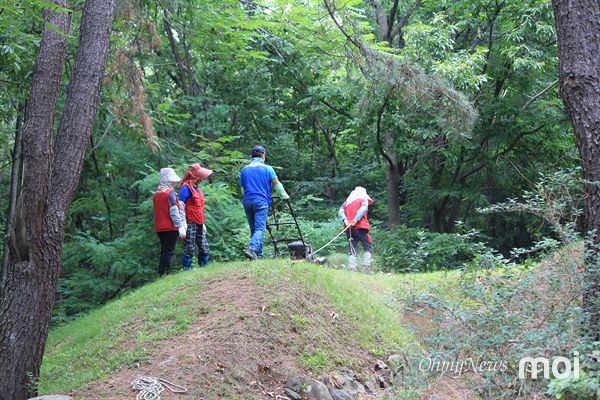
404	20
391	19
378	134
331	13
540	94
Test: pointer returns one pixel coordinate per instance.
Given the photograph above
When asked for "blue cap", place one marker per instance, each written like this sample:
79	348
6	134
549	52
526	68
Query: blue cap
259	150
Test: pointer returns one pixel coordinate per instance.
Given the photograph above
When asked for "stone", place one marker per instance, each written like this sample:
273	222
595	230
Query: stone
315	390
379	365
338	379
370	386
326	380
349	372
292	395
294	383
381	381
396	362
353	387
306	388
337	394
386	374
52	397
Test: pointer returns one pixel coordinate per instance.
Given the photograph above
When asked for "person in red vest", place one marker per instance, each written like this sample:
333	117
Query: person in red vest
169	218
354	212
193	199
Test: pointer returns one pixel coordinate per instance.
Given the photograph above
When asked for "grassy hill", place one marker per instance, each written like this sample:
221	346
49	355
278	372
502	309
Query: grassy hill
235	330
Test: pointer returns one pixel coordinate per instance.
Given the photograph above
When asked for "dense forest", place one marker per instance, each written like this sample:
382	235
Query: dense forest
447	112
437	108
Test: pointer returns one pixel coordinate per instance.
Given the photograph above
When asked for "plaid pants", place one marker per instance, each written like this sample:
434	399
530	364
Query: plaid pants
195	237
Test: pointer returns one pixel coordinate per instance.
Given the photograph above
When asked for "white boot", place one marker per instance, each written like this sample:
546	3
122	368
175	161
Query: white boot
352	262
367	259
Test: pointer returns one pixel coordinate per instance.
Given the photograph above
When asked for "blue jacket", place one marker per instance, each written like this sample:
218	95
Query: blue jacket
256	180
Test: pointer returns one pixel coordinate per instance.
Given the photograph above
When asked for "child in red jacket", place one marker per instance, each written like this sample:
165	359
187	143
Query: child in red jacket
193	198
169	218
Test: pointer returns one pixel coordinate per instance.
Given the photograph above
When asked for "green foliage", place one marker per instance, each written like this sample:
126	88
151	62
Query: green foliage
317	361
468	111
587	387
504	312
556	198
406	249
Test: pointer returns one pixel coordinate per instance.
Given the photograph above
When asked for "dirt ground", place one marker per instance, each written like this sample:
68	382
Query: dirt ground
240	349
228	352
246	343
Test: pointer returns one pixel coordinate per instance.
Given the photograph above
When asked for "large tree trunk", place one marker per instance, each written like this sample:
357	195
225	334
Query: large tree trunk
393	183
15	179
25	306
50	176
578	35
393	172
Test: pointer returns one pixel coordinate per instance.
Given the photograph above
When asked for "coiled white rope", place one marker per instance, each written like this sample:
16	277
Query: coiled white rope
150	387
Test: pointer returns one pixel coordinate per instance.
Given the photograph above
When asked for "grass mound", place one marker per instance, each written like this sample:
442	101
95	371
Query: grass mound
231	330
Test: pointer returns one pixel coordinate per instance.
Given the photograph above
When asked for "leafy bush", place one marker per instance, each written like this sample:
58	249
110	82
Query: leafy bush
505	311
406	249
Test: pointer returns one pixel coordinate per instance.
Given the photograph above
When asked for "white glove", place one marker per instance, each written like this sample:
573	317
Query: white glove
182	231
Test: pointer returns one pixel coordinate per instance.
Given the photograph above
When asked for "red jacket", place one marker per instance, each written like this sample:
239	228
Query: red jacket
162	217
351	210
194	206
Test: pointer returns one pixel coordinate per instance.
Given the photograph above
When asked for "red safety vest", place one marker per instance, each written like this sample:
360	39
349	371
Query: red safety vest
194	206
351	210
162	216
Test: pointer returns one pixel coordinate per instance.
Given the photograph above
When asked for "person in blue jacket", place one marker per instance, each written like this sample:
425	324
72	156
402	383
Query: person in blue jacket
256	180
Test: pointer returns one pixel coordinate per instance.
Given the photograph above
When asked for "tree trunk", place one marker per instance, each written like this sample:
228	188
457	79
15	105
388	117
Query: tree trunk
330	148
392	175
578	36
50	176
15	177
25	304
180	72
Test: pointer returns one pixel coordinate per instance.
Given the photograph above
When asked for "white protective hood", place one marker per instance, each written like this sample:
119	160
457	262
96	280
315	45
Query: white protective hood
358	193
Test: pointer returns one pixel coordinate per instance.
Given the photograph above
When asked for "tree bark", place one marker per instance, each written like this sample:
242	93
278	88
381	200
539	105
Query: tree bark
393	172
50	176
578	35
330	147
393	183
15	177
24	305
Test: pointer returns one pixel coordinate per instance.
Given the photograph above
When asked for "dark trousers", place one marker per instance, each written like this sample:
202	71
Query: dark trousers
359	235
168	242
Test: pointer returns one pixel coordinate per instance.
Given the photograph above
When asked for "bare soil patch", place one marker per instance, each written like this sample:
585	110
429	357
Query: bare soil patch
242	348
